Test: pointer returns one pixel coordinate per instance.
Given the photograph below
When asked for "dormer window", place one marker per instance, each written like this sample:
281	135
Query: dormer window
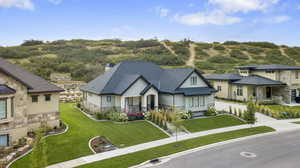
194	80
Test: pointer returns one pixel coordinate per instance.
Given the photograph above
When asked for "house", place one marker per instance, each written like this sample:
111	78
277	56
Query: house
276	83
25	101
134	87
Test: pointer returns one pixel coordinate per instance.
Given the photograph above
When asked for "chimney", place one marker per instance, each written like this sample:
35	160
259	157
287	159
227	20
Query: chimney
108	66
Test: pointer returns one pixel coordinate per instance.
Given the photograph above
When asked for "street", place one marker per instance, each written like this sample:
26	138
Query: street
281	150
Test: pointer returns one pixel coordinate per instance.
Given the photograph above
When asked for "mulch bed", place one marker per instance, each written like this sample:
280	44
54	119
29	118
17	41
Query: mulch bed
101	144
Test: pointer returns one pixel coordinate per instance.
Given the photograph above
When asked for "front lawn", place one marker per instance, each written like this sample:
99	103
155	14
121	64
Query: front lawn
203	124
74	143
132	159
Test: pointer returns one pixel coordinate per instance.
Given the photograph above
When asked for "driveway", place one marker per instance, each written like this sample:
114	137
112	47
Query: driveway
273	151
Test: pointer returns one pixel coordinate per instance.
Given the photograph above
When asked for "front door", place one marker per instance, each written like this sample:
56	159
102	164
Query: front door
268	92
151	102
293	94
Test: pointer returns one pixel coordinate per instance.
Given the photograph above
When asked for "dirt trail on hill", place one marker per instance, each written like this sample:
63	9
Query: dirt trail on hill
191	61
168	48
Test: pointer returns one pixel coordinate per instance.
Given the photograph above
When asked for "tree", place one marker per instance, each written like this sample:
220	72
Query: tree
39	152
31	42
177	122
249	115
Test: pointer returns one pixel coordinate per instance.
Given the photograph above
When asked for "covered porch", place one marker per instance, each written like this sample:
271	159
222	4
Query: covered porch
145	101
267	93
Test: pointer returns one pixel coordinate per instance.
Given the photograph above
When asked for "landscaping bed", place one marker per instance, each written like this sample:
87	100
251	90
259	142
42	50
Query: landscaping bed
8	154
135	158
279	111
101	144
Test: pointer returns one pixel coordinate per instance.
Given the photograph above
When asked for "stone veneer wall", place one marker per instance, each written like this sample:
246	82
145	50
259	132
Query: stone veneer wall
22	122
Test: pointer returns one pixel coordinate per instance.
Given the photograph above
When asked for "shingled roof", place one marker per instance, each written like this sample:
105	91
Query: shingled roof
228	76
258	81
6	90
34	83
122	75
269	67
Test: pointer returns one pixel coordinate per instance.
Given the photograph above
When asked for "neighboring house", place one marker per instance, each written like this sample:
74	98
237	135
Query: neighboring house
26	100
279	83
135	87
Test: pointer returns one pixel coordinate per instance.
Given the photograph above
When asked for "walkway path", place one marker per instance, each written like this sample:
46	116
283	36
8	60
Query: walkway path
191	61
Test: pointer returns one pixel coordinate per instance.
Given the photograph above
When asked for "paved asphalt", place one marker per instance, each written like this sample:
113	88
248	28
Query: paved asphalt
273	151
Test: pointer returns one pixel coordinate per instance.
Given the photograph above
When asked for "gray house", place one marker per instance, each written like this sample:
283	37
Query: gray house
135	87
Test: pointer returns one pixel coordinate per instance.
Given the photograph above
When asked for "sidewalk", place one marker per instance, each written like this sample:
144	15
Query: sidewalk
106	155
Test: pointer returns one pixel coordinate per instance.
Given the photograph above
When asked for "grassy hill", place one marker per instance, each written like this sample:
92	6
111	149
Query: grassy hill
85	59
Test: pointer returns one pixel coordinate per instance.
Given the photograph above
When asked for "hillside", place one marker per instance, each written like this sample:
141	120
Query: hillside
85	59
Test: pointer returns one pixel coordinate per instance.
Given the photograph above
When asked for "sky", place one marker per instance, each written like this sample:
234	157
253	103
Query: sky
276	21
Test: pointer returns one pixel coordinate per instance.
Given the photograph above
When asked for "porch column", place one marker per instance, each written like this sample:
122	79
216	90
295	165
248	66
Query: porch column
122	103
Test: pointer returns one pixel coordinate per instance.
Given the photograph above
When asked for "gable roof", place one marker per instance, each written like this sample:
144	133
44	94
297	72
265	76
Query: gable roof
122	75
258	81
34	83
269	67
228	76
4	89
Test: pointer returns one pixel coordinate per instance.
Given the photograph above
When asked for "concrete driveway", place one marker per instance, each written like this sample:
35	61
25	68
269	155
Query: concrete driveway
273	151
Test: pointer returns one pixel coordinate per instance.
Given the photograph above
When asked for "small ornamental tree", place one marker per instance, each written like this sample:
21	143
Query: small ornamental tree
230	110
249	116
235	111
39	152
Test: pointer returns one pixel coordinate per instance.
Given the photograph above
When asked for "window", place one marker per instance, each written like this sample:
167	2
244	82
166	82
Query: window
35	98
3	109
4	140
194	80
48	97
196	101
108	99
239	90
269	71
12	107
202	101
219	88
191	101
297	75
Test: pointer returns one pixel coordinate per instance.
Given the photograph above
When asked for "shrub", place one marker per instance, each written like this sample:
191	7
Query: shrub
205	65
100	116
238	54
219	47
211	111
240	113
231	43
204	46
221	59
235	112
262	44
165	127
254	50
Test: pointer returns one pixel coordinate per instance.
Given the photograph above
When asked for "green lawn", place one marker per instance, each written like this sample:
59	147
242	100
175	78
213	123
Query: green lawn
203	124
74	143
142	156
